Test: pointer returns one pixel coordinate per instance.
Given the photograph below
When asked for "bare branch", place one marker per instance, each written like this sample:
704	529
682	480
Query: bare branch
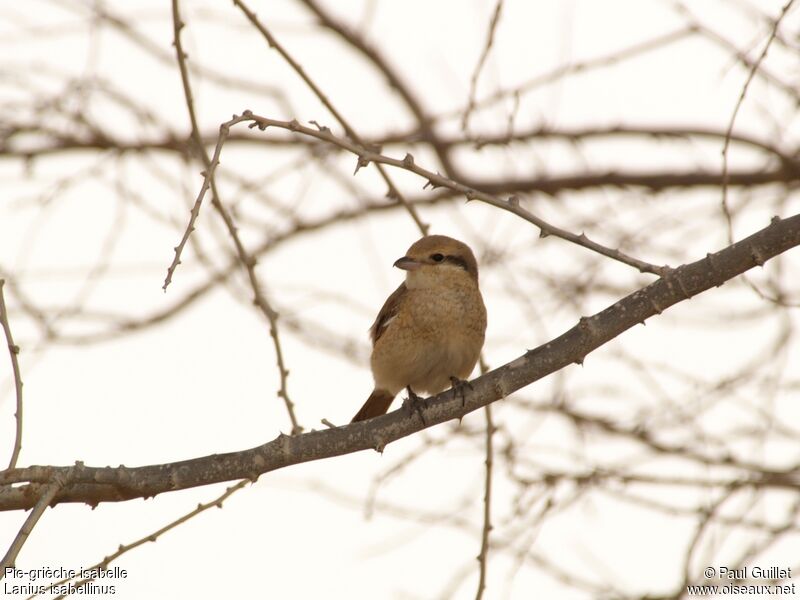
208	175
559	73
397	83
13	351
60	479
511	205
393	192
487	47
247	260
94	485
753	70
151	537
483	556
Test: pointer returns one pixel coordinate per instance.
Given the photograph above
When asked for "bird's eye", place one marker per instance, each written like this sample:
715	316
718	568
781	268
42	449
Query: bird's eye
437	257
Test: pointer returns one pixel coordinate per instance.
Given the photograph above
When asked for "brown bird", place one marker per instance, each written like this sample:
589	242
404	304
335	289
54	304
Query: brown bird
429	333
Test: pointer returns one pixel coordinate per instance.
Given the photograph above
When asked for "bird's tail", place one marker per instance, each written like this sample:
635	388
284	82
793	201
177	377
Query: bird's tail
377	404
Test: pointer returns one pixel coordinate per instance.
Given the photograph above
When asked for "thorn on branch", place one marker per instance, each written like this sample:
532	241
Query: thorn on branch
360	162
408	161
513	200
321	128
294	125
431	183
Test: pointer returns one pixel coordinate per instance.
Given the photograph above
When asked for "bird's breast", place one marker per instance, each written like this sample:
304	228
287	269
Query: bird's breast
447	310
437	334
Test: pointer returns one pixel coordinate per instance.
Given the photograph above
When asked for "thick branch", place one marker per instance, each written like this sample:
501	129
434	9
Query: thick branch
94	485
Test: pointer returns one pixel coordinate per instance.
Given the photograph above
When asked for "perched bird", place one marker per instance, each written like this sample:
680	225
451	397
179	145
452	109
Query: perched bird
429	333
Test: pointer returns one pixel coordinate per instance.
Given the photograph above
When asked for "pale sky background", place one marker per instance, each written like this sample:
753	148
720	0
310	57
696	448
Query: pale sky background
205	382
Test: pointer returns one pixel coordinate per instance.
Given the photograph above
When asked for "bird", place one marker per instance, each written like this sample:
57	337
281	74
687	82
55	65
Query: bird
430	331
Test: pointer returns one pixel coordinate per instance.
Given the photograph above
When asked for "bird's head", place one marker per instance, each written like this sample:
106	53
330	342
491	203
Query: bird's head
435	259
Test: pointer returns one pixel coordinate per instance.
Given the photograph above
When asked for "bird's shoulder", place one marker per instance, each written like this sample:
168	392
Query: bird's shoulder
388	312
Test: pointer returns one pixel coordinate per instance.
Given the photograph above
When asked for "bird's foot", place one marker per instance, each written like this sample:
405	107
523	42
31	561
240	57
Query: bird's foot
458	388
415	404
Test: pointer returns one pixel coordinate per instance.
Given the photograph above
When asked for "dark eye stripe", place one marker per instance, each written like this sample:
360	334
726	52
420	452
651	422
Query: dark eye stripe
456	260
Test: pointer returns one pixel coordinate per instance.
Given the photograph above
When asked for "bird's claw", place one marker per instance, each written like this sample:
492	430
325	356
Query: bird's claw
458	388
415	404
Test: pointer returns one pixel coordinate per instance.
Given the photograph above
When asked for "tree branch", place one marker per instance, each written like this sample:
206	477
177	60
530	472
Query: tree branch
48	492
247	259
93	485
434	180
13	351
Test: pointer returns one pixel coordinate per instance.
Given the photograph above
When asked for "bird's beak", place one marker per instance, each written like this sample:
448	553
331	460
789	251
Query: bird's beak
407	264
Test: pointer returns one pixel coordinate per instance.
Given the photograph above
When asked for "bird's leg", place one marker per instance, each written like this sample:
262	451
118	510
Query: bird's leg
458	388
415	404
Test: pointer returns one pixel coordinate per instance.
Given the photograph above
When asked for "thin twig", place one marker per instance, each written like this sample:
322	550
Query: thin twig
753	70
60	479
13	350
151	537
195	211
483	557
393	192
245	257
726	44
473	84
558	74
706	519
374	55
511	205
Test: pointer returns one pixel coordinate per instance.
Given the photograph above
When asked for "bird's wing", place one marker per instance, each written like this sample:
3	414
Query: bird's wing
387	313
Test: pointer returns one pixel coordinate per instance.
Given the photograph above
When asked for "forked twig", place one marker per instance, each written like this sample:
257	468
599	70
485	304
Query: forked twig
247	260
